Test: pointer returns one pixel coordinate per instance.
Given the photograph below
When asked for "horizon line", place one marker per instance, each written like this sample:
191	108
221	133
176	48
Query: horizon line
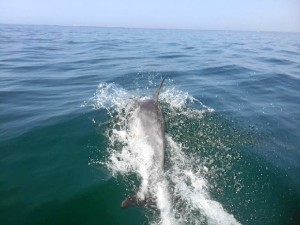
149	28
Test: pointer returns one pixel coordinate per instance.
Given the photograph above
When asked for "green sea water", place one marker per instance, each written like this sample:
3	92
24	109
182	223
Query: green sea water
231	113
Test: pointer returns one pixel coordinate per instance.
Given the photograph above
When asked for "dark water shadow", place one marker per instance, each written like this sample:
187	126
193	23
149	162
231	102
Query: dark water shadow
99	204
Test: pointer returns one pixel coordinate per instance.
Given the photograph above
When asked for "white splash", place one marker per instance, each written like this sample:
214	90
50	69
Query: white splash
181	194
192	189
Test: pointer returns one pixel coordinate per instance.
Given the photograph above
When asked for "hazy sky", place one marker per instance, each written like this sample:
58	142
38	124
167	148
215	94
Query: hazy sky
257	15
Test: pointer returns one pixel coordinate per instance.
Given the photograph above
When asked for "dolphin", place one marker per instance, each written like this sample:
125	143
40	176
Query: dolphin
151	120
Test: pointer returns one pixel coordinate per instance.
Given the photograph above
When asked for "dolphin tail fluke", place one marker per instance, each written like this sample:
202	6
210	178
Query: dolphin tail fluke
133	201
158	90
130	201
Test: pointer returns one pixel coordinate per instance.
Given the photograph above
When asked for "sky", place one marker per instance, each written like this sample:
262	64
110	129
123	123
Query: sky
251	15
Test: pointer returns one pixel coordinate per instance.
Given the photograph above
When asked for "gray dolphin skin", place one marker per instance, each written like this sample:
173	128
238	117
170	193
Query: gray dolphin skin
150	116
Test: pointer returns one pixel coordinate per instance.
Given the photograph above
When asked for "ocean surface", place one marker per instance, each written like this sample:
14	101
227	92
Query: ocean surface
231	108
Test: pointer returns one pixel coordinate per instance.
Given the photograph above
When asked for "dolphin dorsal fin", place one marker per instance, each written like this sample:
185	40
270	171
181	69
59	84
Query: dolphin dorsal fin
155	97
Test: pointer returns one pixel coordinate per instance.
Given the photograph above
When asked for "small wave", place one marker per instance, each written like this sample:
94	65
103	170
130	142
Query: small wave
172	56
226	70
182	194
275	61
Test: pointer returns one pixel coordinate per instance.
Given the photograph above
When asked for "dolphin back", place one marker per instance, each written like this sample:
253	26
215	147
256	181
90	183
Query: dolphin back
150	115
